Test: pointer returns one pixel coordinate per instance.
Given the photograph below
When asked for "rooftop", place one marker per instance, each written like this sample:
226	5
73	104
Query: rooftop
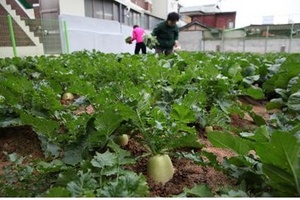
210	8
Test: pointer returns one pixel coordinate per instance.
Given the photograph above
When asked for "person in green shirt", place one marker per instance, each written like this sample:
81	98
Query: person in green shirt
166	34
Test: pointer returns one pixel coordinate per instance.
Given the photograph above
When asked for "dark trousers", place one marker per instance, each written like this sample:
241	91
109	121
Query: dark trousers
140	46
160	50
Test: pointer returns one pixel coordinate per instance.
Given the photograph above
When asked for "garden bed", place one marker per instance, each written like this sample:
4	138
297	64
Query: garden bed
24	141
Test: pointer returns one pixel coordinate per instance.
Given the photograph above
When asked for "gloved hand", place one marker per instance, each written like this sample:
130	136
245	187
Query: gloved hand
176	43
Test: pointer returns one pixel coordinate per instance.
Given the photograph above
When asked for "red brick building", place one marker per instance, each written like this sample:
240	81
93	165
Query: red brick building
210	15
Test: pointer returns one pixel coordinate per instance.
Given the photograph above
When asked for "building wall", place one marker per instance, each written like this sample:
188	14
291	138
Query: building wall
223	20
72	7
159	8
257	45
143	4
21	51
191	40
208	20
172	6
220	20
103	35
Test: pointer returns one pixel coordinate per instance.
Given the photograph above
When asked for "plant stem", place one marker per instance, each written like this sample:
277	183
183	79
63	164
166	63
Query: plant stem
145	134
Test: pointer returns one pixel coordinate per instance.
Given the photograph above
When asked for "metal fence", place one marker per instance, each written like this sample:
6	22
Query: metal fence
30	36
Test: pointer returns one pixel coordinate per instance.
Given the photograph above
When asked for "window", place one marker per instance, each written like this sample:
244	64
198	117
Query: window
88	6
111	10
146	21
136	18
98	9
116	12
108	10
230	24
127	16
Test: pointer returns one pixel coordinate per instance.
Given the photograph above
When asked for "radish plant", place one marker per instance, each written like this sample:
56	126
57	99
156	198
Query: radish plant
161	132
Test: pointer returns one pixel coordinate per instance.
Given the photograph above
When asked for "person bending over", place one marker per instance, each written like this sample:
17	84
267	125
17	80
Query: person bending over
167	33
137	35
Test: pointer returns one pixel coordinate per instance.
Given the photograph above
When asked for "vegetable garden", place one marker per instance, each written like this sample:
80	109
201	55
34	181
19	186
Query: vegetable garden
122	125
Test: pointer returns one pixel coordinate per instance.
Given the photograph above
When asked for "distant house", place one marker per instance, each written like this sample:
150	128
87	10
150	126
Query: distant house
192	34
210	15
203	22
207	31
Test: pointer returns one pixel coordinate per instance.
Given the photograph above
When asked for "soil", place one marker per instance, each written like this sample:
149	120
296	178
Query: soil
24	141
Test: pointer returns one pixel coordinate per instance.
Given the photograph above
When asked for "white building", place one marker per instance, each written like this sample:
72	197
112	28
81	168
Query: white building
102	25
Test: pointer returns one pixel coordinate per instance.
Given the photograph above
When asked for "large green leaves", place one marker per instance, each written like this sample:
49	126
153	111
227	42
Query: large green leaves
280	158
294	102
289	69
227	140
278	152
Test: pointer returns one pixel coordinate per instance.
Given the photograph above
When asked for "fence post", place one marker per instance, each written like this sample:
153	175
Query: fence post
223	41
244	44
266	41
291	38
12	35
66	36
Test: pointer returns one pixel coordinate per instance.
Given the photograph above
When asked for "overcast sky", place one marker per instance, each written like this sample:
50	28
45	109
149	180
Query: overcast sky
256	11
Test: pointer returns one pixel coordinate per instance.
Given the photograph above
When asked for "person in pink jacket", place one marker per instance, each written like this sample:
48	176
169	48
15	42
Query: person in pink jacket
137	35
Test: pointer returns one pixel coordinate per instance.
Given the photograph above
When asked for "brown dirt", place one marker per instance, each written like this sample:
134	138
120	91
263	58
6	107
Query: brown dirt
187	174
23	141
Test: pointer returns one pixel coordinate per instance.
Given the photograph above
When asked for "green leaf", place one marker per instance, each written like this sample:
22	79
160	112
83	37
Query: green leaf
83	186
258	120
280	180
182	113
53	166
282	151
255	92
9	122
197	191
57	192
189	140
294	84
281	157
124	156
277	175
249	80
49	148
227	140
275	104
233	193
234	70
261	134
104	159
294	101
83	88
41	125
107	122
72	154
286	72
128	185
